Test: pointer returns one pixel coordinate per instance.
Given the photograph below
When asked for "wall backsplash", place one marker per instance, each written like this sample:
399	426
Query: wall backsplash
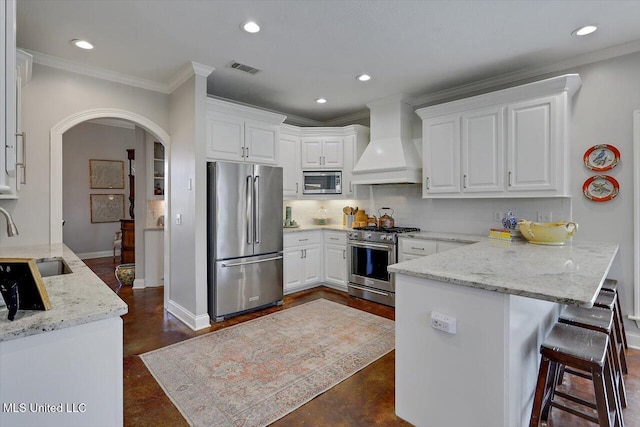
303	211
474	216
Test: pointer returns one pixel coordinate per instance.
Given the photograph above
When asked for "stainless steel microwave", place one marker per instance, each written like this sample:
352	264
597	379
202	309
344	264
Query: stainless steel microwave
322	182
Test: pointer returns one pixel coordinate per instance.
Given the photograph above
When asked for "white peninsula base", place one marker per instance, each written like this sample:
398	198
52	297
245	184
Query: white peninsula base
485	374
67	377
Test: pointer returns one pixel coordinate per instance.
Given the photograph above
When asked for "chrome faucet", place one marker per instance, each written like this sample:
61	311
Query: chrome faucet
12	230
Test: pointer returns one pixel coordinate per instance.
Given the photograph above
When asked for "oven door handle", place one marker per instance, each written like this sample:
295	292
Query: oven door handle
388	248
369	290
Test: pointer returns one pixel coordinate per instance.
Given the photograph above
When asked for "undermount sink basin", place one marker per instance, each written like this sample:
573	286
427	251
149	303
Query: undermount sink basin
52	267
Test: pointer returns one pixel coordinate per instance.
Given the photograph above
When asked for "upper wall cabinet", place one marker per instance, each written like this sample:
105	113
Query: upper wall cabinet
322	152
242	134
308	148
15	72
510	143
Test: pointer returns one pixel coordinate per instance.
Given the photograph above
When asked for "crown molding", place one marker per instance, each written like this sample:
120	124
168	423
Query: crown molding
185	73
348	119
97	72
576	61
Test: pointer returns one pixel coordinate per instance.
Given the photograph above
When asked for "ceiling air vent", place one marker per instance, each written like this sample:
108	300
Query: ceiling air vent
243	67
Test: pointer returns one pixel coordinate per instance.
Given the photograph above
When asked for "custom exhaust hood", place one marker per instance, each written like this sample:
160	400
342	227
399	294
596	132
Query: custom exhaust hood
391	156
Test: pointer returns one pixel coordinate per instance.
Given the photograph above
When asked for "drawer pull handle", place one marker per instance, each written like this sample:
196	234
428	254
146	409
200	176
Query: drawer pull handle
333	238
420	249
302	240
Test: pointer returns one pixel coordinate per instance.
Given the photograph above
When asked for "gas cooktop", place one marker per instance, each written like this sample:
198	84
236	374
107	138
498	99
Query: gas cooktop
388	229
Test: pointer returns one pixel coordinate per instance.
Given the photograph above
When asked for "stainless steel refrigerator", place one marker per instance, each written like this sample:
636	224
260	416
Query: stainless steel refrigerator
244	208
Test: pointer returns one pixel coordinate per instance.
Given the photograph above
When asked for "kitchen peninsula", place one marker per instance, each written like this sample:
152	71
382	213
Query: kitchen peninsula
63	367
505	297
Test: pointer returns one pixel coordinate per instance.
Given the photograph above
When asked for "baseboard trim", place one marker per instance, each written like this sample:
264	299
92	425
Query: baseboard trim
301	288
633	340
100	254
337	287
138	284
196	323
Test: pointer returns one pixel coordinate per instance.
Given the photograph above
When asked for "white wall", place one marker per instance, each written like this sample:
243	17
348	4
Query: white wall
188	291
603	115
51	96
81	143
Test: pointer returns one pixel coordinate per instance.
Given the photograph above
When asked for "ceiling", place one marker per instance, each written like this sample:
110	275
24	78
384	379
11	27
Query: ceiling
309	49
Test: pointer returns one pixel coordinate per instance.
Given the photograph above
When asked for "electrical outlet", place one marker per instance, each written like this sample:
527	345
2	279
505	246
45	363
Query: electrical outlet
443	322
497	216
544	216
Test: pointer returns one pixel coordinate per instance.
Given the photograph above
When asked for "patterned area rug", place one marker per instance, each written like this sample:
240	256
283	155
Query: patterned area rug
256	372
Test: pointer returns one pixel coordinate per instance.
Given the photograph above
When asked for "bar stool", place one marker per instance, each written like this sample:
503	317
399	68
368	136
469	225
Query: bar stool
585	350
611	285
607	299
601	320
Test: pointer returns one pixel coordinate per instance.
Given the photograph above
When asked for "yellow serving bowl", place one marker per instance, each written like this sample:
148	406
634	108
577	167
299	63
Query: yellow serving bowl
547	233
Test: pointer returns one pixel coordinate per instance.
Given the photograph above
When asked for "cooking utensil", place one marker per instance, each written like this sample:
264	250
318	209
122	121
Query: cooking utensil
385	220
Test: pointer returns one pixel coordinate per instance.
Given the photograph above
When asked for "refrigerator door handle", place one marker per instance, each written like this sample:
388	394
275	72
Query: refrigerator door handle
239	264
250	210
256	208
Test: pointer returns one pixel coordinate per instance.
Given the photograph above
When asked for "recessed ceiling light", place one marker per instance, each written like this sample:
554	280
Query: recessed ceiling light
583	31
321	100
251	27
364	77
82	44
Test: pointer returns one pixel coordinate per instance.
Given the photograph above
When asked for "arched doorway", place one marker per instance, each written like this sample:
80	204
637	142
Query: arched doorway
56	187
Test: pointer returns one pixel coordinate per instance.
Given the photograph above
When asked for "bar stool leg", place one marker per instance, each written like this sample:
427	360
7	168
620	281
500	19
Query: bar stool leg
541	390
601	398
616	405
620	342
621	321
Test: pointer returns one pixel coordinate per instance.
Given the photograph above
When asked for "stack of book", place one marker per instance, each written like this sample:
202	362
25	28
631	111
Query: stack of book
504	234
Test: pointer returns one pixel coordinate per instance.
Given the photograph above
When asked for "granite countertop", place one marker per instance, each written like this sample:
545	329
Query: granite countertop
76	298
570	274
445	237
334	227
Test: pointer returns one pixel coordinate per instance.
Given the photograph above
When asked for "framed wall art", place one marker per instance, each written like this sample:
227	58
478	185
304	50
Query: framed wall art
106	174
106	207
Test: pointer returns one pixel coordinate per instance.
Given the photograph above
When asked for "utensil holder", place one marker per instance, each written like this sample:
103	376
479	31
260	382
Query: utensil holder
350	219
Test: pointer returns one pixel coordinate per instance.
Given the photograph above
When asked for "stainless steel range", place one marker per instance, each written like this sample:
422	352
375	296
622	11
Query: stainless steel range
370	250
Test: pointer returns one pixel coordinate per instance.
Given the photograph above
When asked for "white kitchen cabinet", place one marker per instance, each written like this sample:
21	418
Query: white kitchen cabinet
15	72
355	141
342	148
441	155
302	260
482	150
155	170
410	248
533	136
322	153
510	143
290	162
242	134
335	259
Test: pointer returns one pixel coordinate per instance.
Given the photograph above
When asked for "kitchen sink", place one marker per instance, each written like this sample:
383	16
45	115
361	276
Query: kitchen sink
52	267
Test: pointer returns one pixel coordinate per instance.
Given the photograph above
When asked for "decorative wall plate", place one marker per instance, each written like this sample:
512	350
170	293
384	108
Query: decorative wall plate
601	157
600	188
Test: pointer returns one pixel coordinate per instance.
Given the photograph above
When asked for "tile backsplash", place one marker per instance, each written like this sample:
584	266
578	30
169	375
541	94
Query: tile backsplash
473	216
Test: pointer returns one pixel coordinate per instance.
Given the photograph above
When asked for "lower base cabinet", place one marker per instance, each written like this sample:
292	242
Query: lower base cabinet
335	259
302	260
